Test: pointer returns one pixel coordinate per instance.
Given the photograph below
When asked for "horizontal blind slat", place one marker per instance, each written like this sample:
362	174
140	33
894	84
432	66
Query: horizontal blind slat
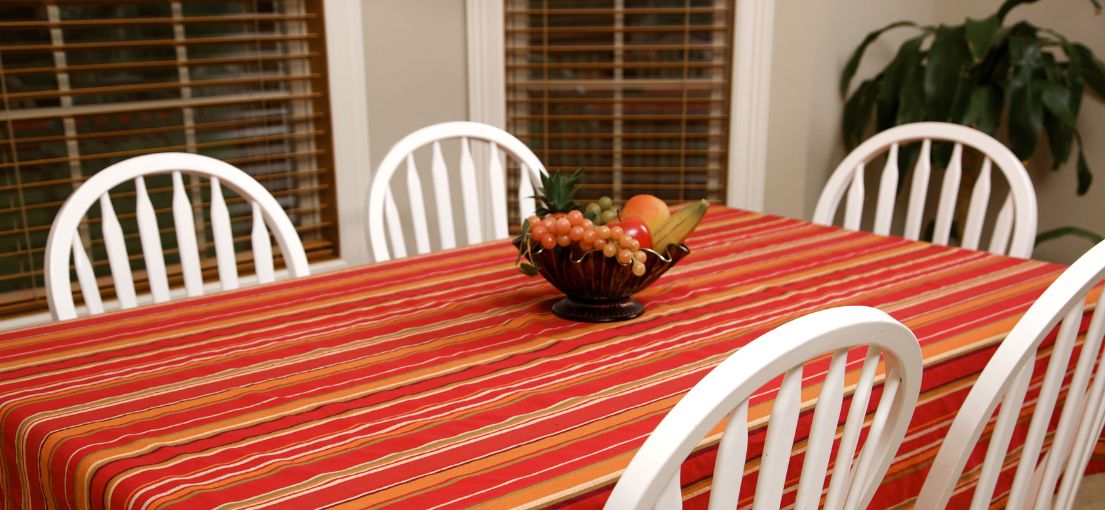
198	126
65	23
568	48
133	236
560	11
23	301
616	30
158	104
613	65
152	64
145	87
651	83
260	177
166	148
25	48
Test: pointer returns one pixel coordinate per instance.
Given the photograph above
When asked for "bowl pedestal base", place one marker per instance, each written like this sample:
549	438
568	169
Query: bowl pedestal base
604	311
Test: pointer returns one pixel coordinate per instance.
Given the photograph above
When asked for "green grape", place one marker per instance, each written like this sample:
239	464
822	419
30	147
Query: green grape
608	216
606	203
594	209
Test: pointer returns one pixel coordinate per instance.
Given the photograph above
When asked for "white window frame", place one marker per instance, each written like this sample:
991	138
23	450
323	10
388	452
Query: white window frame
750	81
348	84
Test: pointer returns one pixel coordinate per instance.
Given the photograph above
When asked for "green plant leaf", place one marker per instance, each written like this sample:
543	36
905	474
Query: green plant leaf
1058	117
1085	178
1074	78
1093	70
1069	230
1026	118
984	110
1026	111
980	35
911	97
853	61
1009	5
994	68
947	58
1056	99
1060	137
961	101
908	57
857	112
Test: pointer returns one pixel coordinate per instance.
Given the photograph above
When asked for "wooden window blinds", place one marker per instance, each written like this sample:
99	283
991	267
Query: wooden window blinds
634	91
86	84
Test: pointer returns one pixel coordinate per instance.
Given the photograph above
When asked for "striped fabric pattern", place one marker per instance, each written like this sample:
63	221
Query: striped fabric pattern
444	381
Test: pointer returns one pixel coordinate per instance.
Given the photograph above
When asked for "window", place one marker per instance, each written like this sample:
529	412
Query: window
634	91
86	84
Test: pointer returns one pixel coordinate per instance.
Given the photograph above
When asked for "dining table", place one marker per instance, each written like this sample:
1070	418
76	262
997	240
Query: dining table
445	381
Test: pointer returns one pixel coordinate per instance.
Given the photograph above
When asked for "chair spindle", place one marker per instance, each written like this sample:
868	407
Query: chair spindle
418	207
90	289
443	199
949	192
117	254
184	223
976	211
224	238
918	190
888	191
262	247
150	236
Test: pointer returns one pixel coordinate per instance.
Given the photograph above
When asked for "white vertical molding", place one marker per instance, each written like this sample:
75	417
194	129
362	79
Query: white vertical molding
485	35
486	62
751	84
348	88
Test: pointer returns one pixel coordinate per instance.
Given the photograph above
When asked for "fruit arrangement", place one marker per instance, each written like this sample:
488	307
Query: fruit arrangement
644	222
597	254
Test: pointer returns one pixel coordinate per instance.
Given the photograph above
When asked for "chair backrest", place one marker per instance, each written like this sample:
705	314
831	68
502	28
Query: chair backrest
65	239
1015	219
1007	378
652	478
382	206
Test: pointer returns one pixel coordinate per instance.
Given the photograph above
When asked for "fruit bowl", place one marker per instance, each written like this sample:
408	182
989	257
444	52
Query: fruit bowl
598	288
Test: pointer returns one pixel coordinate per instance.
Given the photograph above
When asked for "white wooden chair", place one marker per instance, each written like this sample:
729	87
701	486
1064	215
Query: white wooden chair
652	478
1050	480
65	239
1016	217
382	206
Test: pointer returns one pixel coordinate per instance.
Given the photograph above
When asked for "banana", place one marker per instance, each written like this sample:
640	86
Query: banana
679	225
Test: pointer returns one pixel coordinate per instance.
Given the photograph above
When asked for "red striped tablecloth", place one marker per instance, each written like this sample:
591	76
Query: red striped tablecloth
445	381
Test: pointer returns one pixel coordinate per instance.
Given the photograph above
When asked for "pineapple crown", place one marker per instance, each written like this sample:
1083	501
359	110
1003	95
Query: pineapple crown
555	195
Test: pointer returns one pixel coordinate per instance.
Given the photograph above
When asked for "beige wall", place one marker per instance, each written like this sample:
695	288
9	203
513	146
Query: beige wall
813	41
415	61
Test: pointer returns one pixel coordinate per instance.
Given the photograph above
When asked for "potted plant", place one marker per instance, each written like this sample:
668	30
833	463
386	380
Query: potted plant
975	74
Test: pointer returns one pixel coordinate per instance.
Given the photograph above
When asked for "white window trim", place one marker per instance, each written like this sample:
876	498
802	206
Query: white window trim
486	81
751	90
751	85
348	83
486	62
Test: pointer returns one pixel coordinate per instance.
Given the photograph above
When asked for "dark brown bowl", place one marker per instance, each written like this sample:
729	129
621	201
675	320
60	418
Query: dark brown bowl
598	288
